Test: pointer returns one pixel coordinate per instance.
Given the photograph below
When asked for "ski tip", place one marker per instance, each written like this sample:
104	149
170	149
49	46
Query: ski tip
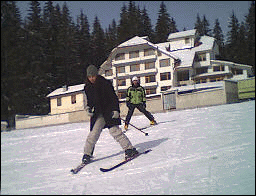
103	170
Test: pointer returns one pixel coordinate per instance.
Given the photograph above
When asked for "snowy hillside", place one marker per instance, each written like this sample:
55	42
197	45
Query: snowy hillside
198	151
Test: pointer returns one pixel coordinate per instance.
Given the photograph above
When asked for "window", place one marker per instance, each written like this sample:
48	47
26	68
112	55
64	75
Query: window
236	71
151	91
73	99
187	40
119	56
59	101
121	69
108	72
218	68
165	63
134	54
150	78
203	80
122	82
164	88
148	52
150	65
135	67
183	75
200	57
121	94
165	76
201	70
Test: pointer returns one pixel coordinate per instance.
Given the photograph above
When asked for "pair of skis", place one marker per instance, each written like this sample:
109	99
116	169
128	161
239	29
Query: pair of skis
82	165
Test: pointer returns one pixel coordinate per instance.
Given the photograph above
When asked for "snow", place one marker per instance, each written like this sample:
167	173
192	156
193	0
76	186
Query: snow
207	150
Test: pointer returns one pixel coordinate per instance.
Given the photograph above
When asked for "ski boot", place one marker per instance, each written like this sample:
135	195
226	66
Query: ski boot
129	153
86	158
153	122
126	126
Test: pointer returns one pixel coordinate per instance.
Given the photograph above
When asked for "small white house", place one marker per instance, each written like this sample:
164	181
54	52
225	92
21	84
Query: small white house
67	99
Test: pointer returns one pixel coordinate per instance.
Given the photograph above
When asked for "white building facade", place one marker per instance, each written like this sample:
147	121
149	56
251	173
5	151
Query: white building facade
184	59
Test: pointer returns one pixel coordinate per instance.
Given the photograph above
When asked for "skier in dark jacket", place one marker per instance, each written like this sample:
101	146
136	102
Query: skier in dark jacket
136	98
103	108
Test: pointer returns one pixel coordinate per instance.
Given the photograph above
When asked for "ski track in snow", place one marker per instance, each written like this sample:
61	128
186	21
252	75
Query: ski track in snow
207	150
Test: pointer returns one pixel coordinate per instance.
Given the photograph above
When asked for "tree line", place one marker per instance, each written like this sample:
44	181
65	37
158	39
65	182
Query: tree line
48	49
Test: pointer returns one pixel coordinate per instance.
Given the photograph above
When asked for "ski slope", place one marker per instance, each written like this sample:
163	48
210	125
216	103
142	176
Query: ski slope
207	150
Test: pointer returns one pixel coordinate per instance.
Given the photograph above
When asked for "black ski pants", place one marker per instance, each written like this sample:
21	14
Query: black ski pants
141	108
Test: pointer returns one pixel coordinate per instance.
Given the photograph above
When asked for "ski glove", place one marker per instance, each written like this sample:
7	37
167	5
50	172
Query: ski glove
115	114
89	111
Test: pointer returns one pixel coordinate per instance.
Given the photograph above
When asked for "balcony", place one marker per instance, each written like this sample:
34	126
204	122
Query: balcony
134	60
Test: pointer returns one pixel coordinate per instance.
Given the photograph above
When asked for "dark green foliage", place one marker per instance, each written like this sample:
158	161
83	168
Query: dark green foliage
163	25
219	37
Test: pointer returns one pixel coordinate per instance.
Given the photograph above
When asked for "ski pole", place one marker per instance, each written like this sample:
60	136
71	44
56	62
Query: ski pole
146	134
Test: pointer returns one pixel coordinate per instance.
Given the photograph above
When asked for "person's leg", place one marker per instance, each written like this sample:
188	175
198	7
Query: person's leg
142	109
94	135
120	137
130	113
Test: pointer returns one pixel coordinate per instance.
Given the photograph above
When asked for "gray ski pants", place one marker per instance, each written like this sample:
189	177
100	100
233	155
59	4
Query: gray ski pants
94	135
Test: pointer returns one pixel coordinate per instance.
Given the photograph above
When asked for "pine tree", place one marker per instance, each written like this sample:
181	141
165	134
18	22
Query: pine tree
250	26
98	44
123	29
241	44
199	25
173	27
147	26
231	46
205	25
163	25
84	47
11	58
111	37
219	37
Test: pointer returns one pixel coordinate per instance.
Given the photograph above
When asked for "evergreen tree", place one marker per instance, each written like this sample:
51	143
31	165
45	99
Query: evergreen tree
123	29
219	37
205	25
173	27
98	44
199	25
66	48
250	26
162	29
11	58
84	48
231	46
241	44
111	37
147	26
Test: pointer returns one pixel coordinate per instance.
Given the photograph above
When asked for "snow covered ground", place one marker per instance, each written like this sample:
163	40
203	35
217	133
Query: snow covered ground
198	151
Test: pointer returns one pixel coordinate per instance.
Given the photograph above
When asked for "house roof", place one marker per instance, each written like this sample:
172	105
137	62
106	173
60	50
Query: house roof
133	41
182	34
185	54
71	89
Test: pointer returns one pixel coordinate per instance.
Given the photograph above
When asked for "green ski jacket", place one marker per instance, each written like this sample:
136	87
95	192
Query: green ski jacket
136	95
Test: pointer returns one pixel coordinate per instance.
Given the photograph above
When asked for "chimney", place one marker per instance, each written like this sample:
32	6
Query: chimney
65	88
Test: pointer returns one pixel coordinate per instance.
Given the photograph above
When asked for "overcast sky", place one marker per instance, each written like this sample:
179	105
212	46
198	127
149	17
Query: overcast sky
183	12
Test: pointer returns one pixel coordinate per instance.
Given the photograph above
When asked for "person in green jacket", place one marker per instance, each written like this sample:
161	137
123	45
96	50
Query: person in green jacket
136	98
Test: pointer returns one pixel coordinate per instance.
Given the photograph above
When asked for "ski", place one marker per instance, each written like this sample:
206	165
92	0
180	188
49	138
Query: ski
123	162
79	167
